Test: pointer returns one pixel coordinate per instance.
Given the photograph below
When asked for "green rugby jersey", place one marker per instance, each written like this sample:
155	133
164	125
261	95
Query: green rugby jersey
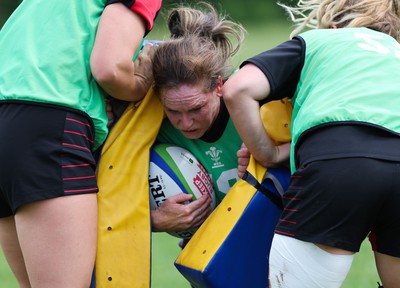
218	157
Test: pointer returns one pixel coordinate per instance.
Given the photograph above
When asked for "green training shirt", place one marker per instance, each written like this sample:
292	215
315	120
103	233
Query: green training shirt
335	59
46	59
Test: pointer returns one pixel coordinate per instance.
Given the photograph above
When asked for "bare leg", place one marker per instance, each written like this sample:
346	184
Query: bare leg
12	250
58	240
388	269
334	250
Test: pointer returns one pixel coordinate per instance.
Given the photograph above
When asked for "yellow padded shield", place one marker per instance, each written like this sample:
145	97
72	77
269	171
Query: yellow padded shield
124	229
202	260
276	116
209	237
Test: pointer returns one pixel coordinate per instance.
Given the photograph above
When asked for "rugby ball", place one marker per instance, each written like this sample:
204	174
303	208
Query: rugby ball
174	170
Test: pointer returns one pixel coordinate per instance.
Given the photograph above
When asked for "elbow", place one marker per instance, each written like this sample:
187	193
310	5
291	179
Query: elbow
227	93
231	92
110	77
104	73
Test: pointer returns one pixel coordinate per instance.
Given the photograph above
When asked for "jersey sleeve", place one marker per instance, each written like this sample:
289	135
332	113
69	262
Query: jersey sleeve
147	9
282	66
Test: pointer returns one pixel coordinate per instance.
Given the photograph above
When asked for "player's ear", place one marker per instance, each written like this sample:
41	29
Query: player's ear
219	86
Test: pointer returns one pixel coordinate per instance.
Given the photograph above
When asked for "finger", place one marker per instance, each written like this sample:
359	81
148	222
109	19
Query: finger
243	161
146	52
240	154
242	168
197	206
180	198
204	200
203	213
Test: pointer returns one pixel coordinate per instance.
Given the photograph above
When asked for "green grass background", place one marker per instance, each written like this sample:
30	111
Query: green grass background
164	274
165	247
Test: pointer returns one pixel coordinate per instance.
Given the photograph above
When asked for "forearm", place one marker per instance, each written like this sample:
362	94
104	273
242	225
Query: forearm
247	121
283	153
157	224
241	95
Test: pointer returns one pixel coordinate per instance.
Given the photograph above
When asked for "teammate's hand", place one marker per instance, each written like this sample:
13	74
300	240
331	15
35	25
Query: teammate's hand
243	155
110	113
143	70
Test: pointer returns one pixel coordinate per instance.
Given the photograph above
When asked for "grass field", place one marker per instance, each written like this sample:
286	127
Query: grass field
165	247
165	250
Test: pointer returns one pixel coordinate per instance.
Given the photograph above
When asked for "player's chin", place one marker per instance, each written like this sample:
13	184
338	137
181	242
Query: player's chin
193	134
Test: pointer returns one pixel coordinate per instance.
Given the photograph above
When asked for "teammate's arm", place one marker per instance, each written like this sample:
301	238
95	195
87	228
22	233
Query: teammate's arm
242	93
120	33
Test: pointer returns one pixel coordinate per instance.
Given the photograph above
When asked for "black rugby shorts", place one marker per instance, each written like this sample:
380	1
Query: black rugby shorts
45	152
338	202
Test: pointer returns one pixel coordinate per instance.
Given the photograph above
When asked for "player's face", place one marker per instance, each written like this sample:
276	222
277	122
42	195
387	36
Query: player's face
190	109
